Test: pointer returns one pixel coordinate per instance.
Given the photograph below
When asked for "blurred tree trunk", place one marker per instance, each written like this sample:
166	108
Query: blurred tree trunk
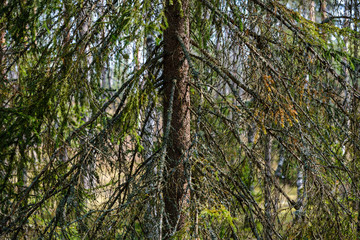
176	68
323	10
300	182
312	16
267	189
105	68
150	117
2	49
279	169
355	123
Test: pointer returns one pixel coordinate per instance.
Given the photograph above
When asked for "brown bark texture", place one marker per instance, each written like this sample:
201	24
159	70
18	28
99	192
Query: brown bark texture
176	68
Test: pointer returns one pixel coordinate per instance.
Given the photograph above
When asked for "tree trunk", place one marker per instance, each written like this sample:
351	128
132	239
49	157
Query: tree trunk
176	68
312	16
151	217
323	10
323	16
251	137
267	188
301	171
355	121
279	169
2	50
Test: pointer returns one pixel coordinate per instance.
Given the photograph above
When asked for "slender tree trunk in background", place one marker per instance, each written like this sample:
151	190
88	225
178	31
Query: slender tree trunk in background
300	193
323	5
63	154
300	183
152	213
194	209
355	123
104	70
323	10
109	76
89	164
104	74
302	7
66	35
312	16
88	158
2	51
279	173
251	133
251	137
267	188
279	169
279	176
347	97
176	68
84	24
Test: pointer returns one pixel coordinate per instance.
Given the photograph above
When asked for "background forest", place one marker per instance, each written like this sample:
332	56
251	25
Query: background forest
179	119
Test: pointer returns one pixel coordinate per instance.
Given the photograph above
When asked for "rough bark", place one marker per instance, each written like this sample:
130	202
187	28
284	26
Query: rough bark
176	67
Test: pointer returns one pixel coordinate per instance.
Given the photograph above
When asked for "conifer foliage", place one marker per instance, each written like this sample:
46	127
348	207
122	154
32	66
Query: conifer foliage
179	119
